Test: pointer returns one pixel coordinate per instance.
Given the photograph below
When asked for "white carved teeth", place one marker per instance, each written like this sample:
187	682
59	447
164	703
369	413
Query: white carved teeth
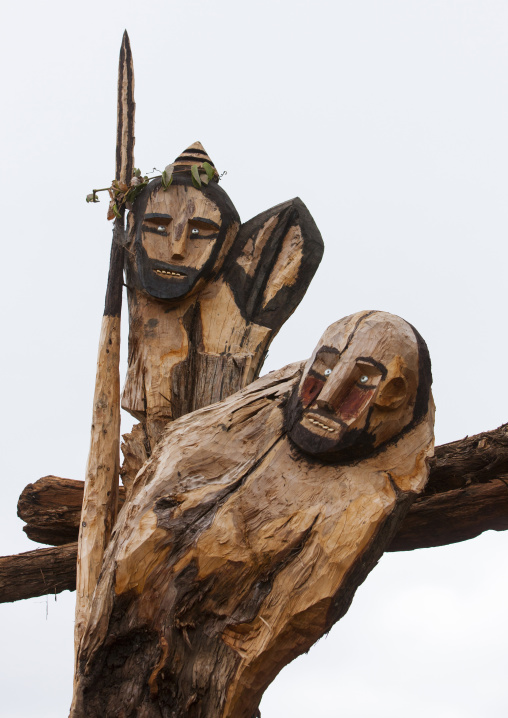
168	273
318	423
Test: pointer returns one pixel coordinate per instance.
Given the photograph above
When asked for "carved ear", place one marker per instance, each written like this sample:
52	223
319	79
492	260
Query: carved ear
392	394
272	262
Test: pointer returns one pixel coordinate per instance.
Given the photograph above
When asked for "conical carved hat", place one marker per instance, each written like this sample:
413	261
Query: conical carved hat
194	155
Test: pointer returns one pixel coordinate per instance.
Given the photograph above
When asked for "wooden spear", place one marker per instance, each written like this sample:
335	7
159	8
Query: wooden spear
101	482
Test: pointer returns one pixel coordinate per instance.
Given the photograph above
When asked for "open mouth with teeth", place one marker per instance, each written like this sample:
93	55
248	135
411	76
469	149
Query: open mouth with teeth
168	273
317	422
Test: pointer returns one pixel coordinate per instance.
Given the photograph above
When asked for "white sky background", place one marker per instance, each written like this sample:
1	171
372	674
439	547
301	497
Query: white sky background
389	119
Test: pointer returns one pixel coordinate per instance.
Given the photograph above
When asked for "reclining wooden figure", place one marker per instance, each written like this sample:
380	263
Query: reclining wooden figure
249	530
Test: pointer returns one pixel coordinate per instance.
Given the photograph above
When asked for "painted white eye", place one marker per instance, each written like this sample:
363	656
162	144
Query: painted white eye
364	379
161	228
194	230
328	372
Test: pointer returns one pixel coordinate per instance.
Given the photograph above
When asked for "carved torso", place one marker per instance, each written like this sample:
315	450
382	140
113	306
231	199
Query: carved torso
186	356
243	552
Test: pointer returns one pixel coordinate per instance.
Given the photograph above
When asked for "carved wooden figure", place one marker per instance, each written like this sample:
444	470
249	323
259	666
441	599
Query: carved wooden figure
249	530
206	295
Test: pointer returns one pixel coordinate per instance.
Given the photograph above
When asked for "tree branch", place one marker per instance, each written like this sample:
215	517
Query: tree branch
37	573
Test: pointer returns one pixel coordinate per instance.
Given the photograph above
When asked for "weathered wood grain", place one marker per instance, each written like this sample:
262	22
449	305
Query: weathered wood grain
466	494
239	547
51	508
99	509
436	520
38	573
453	516
475	459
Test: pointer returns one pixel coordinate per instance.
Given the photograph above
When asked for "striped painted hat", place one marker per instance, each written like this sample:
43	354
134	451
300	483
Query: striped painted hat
194	155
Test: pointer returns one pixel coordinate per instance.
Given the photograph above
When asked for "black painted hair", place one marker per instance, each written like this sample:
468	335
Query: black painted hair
212	191
424	378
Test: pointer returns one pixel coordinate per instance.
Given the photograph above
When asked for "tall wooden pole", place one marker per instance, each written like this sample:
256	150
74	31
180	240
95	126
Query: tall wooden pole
101	481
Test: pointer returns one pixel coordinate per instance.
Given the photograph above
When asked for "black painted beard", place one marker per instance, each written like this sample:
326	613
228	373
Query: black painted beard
166	281
353	444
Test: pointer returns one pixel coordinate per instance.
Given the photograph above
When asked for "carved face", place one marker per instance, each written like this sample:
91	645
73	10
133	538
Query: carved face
182	236
360	388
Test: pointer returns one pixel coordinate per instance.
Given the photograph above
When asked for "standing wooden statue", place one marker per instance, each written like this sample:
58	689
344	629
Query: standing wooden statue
207	294
248	532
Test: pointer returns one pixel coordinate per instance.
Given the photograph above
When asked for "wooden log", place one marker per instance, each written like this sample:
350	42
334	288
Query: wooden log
467	494
454	516
247	533
442	515
51	508
37	573
475	459
207	294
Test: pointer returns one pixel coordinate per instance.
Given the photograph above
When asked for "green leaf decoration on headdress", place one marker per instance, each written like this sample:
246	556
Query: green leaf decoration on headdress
167	176
196	179
209	170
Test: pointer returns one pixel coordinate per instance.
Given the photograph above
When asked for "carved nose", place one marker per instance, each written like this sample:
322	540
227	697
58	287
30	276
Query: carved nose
335	388
178	247
324	405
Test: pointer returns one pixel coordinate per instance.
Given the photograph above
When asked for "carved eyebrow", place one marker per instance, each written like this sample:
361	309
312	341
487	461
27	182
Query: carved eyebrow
157	215
327	350
380	367
206	221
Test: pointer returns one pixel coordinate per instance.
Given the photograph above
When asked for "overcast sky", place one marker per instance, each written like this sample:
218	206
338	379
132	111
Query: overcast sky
389	120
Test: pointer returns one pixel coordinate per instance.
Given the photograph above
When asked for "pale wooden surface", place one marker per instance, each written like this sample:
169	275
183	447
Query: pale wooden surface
207	344
99	508
236	552
100	501
466	494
